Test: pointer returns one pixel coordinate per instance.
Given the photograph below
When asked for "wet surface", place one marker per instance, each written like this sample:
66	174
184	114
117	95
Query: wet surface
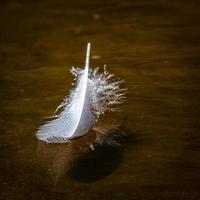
154	46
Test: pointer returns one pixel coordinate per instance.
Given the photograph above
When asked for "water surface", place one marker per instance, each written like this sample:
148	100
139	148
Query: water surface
154	46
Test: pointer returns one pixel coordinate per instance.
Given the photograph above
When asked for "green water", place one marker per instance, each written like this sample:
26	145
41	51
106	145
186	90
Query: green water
154	46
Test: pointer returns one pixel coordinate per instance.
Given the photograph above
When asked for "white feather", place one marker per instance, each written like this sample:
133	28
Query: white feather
76	118
95	93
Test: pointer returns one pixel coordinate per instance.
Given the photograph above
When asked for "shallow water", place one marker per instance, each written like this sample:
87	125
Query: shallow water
154	46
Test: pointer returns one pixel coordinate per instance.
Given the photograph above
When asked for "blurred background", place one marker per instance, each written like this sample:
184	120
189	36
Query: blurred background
154	45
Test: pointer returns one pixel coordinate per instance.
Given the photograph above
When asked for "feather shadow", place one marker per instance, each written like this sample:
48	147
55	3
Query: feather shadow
105	156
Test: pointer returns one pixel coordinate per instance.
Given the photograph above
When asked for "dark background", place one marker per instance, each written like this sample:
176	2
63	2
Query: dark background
154	45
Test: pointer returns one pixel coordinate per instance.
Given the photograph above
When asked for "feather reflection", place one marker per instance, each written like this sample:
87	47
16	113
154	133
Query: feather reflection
86	159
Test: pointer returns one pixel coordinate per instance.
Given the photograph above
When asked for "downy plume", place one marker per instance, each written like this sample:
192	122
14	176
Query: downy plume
95	93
